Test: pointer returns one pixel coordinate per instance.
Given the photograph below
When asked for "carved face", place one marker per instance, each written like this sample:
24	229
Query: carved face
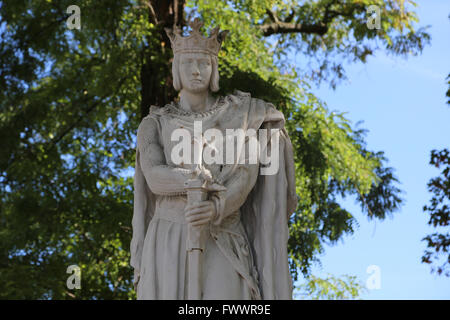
195	71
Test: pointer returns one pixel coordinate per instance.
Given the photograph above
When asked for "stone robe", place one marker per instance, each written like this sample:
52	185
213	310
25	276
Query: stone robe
246	246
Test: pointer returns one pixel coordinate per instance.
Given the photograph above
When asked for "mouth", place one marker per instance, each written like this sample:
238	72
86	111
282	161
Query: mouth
196	80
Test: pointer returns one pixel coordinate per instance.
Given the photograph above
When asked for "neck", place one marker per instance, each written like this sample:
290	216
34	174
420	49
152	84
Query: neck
196	102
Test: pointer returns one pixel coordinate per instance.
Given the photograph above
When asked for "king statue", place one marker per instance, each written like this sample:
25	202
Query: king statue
211	229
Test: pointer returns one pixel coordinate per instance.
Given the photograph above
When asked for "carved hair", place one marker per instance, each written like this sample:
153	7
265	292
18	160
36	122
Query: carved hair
213	82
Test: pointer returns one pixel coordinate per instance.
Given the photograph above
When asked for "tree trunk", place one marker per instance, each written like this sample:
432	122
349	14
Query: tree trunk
156	75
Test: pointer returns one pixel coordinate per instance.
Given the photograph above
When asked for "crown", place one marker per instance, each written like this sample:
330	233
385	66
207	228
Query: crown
196	42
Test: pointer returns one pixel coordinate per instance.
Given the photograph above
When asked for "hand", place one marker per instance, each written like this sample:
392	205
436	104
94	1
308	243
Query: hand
200	213
203	173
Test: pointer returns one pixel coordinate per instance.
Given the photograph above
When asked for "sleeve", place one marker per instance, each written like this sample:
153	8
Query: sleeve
238	188
161	178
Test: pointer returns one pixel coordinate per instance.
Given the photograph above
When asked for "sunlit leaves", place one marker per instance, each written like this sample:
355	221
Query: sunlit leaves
330	288
438	243
70	104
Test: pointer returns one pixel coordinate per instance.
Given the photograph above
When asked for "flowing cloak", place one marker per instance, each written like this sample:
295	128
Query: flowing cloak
265	212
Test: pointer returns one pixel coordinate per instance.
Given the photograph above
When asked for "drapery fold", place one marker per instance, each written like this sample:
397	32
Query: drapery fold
264	214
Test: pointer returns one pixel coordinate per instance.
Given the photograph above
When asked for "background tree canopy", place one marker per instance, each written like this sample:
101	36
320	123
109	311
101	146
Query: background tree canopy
437	253
71	102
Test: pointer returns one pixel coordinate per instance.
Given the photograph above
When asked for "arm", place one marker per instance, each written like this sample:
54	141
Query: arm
226	201
238	189
161	178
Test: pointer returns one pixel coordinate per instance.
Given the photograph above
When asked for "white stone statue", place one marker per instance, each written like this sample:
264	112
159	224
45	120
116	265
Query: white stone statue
207	229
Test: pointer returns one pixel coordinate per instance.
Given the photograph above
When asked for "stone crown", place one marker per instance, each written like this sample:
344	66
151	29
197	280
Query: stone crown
196	42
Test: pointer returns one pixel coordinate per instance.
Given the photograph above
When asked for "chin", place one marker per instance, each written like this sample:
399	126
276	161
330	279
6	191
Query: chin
197	88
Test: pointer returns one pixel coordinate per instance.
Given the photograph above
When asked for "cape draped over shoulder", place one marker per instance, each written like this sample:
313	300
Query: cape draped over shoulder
264	214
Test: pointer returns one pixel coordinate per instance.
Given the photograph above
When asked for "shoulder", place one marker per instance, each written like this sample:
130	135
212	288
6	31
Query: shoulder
154	112
246	96
149	126
238	96
260	110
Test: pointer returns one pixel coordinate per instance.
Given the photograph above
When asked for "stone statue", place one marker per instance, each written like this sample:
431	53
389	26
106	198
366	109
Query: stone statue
207	229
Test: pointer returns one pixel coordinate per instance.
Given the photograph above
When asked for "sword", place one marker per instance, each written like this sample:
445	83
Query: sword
195	246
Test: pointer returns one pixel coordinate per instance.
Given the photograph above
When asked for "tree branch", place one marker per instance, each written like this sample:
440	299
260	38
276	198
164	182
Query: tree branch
152	11
278	26
53	142
290	16
285	27
58	138
272	16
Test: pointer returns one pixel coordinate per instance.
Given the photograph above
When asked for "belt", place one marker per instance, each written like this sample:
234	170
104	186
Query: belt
170	215
177	216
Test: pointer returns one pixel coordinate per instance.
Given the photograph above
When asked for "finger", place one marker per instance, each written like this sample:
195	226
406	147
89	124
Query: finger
203	204
196	211
198	205
193	204
198	217
199	223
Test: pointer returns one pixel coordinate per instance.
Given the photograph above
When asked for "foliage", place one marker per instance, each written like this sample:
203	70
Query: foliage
71	101
438	243
330	288
324	33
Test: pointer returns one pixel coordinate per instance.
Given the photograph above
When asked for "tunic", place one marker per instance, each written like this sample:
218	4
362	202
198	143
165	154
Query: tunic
159	236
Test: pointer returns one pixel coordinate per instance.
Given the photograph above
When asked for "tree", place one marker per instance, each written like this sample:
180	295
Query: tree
438	243
330	288
71	101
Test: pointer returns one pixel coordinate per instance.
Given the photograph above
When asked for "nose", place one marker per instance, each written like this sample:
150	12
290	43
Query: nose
195	70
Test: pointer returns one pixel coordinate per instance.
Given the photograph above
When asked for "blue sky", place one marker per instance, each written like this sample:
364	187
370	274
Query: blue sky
403	105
